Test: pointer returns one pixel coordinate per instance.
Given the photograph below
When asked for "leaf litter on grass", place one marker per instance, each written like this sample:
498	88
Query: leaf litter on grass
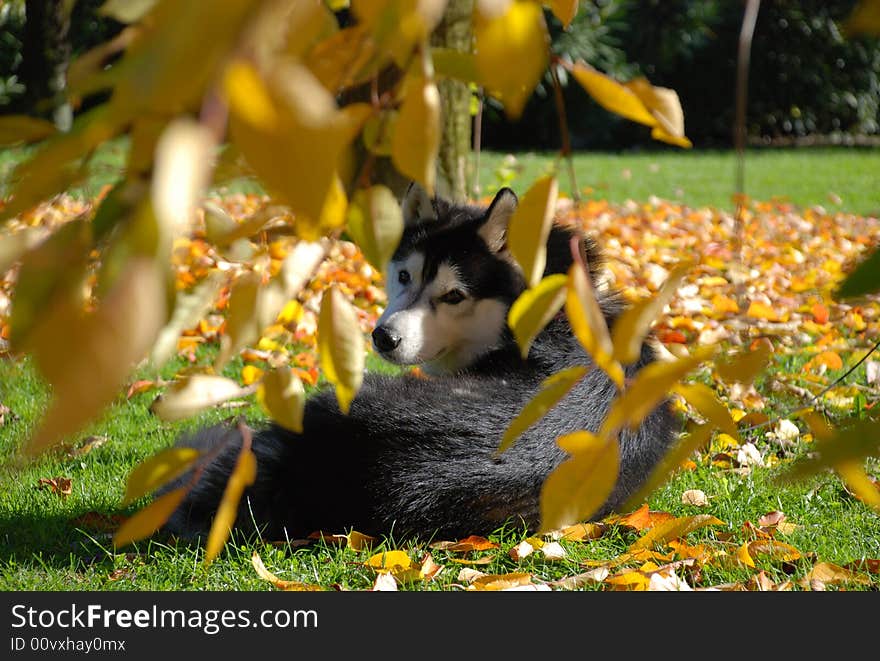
777	301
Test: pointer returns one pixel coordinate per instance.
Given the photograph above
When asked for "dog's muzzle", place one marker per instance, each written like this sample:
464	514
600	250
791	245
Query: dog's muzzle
385	340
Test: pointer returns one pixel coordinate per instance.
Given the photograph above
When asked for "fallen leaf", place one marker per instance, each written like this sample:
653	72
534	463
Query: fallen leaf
290	586
62	486
694	497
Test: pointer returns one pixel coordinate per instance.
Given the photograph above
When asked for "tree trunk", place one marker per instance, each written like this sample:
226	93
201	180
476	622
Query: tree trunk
454	31
45	56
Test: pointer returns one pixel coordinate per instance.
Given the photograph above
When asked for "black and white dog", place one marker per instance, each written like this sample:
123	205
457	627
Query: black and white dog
417	456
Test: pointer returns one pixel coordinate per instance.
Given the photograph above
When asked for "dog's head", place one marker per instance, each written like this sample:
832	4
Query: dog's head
450	283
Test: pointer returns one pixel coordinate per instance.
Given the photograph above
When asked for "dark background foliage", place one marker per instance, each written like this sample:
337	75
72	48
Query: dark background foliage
806	78
807	81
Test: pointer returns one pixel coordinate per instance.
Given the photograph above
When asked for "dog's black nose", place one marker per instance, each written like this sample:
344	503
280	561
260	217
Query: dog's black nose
384	339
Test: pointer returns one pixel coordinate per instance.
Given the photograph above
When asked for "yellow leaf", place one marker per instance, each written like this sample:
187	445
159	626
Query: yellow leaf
701	397
389	560
159	469
377	133
534	309
512	53
375	222
864	19
252	307
282	395
579	486
281	584
493	582
837	447
126	11
249	97
530	226
564	10
189	307
416	140
301	264
341	346
250	374
193	394
745	366
665	107
21	128
87	358
760	310
669	530
290	123
743	555
826	572
241	323
242	476
632	326
611	95
630	580
148	520
588	323
553	389
49	279
650	386
182	170
858	481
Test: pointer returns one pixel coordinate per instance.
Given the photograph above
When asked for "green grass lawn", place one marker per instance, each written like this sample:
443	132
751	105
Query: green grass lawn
845	179
43	545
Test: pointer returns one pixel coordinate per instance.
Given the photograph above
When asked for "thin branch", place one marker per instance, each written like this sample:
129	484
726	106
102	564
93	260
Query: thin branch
563	130
478	141
739	133
817	396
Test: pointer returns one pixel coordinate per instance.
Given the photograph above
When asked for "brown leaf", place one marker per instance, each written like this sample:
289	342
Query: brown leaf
773	518
825	573
290	586
590	577
774	550
641	519
62	486
472	543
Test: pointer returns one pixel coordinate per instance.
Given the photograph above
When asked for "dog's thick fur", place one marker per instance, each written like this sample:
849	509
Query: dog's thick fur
417	456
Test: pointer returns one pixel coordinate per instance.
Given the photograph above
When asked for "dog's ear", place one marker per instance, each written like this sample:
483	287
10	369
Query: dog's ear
494	228
417	205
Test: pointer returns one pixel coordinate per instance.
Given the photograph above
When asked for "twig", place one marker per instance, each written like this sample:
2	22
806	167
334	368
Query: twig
817	396
739	132
478	141
563	130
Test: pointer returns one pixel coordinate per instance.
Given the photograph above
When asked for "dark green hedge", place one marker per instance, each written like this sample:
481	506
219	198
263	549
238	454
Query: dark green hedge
806	79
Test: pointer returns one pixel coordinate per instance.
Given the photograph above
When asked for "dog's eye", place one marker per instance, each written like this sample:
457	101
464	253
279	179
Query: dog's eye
452	297
403	277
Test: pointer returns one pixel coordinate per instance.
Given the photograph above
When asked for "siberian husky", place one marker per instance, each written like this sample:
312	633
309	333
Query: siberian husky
417	455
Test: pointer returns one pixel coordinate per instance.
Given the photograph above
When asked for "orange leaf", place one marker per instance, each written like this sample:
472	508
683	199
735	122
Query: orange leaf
472	543
829	359
724	304
669	530
820	313
760	310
